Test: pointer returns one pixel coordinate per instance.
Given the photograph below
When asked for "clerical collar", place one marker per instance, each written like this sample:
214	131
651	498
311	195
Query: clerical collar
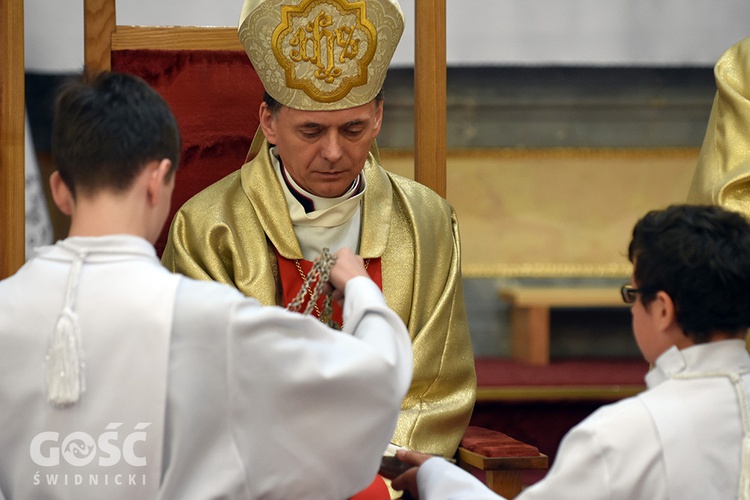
309	201
335	222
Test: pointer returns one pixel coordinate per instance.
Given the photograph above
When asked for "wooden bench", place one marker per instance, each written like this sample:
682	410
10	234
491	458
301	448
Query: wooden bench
530	314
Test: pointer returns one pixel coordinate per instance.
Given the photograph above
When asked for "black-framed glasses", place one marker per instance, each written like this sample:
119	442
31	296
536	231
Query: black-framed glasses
630	293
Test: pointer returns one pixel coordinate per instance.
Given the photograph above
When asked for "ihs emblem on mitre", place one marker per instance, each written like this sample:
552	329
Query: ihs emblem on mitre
321	54
325	47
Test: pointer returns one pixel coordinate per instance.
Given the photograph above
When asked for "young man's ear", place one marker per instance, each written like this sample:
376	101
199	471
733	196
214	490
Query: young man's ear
664	311
160	178
61	194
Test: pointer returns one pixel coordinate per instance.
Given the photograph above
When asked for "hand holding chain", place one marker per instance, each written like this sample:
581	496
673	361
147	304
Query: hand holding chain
313	283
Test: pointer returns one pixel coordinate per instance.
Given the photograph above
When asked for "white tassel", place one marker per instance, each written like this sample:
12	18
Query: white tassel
64	366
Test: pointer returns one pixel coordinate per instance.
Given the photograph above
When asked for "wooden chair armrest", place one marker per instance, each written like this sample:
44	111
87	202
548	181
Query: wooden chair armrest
500	457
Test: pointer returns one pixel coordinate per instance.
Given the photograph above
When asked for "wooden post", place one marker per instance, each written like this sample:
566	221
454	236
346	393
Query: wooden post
12	126
430	94
99	23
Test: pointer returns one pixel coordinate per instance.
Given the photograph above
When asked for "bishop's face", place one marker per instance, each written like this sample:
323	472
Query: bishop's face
323	151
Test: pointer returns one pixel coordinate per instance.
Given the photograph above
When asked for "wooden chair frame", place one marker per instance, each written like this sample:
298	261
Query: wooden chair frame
12	130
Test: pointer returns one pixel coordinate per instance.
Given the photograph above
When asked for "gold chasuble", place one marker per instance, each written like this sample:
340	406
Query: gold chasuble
232	231
722	175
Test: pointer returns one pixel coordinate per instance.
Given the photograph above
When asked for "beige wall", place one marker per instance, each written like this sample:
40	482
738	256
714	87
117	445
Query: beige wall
557	212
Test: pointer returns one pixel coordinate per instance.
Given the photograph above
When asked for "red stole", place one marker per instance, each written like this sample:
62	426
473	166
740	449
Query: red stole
376	491
291	282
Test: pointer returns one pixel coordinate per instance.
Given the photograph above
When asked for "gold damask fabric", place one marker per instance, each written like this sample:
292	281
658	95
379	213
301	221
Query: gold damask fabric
321	54
229	233
722	175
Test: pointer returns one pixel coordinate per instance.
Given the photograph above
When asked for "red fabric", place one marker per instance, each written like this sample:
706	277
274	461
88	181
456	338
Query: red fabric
376	491
503	372
491	443
291	282
215	97
375	270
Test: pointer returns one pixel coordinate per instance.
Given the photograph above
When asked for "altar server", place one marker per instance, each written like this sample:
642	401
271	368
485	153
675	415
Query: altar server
119	379
688	436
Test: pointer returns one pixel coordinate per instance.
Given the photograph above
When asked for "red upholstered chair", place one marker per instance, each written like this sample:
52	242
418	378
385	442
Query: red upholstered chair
205	76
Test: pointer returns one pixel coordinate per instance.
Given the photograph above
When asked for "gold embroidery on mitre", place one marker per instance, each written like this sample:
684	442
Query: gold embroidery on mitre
325	47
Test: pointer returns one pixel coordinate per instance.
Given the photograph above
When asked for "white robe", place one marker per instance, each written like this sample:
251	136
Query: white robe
259	402
687	449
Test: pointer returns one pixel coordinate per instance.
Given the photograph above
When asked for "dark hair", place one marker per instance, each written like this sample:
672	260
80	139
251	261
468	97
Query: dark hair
107	127
274	106
699	256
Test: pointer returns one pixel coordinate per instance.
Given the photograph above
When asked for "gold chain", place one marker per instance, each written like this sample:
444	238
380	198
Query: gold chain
319	274
321	271
310	292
